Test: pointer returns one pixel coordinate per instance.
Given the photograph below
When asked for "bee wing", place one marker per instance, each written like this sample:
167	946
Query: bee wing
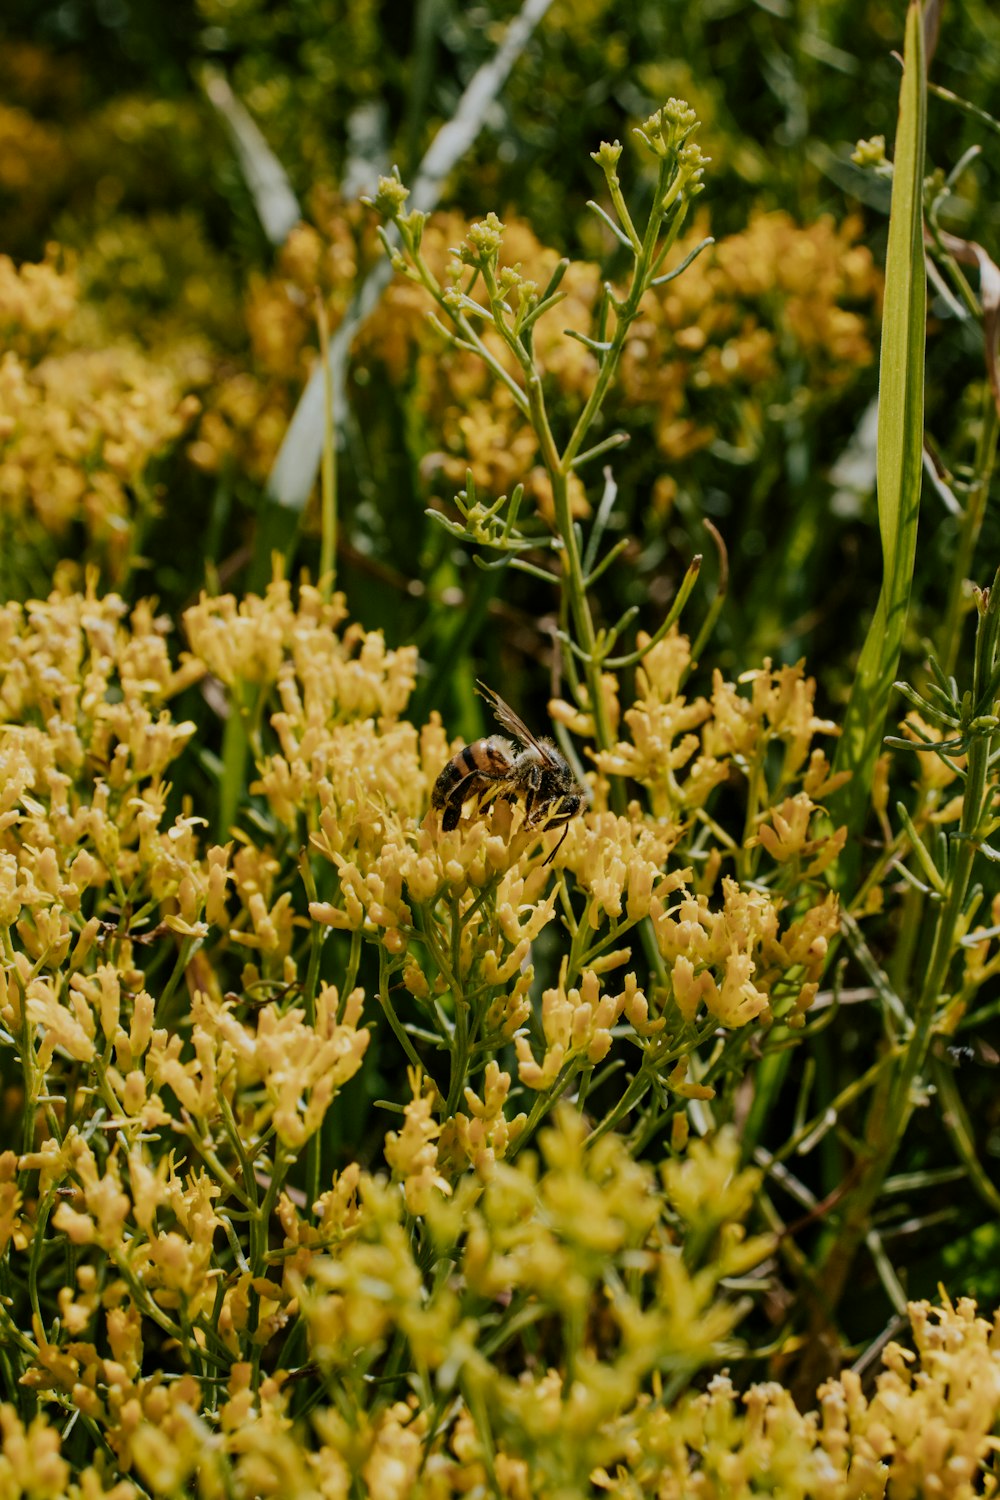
509	720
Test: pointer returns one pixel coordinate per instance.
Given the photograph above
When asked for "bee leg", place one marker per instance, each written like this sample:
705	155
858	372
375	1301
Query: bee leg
558	846
532	785
453	792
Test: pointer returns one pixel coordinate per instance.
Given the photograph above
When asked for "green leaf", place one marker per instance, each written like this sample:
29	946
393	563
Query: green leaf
900	448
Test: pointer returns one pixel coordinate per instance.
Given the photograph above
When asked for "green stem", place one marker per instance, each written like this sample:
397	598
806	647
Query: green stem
185	953
462	1034
26	1051
560	466
328	469
625	314
385	1001
543	1104
469	335
350	973
316	938
37	1247
218	1171
249	1196
638	1085
972	521
235	753
259	1227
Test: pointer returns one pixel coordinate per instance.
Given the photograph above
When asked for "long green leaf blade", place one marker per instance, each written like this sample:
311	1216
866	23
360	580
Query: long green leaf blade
273	197
900	445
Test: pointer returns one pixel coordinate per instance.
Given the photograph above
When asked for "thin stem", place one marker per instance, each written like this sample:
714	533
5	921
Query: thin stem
626	312
32	1083
972	521
328	470
390	1014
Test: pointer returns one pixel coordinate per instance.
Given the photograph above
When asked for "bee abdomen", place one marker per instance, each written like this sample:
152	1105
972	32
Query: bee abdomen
451	776
473	769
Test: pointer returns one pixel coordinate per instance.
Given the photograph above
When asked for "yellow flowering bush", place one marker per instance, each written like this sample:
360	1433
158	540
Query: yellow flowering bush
182	1052
353	1148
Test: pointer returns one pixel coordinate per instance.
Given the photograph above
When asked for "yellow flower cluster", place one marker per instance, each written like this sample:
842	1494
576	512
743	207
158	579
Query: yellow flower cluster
484	1136
576	1024
575	1240
294	1066
681	749
246	350
244	342
79	427
85	743
90	741
412	1152
725	329
701	363
31	1465
926	1430
548	1231
732	960
37	301
222	1273
461	910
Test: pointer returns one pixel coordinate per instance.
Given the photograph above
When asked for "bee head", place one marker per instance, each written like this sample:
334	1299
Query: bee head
559	793
565	807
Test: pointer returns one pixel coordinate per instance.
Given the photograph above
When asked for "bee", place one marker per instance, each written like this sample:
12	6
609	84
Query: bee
492	765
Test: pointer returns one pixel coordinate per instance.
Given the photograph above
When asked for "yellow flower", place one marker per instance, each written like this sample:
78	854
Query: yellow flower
786	836
483	1137
412	1153
576	1024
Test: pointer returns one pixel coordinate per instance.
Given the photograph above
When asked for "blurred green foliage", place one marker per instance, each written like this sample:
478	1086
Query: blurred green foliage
110	146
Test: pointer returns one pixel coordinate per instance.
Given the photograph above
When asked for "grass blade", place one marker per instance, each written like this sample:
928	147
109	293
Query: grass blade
900	446
276	204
